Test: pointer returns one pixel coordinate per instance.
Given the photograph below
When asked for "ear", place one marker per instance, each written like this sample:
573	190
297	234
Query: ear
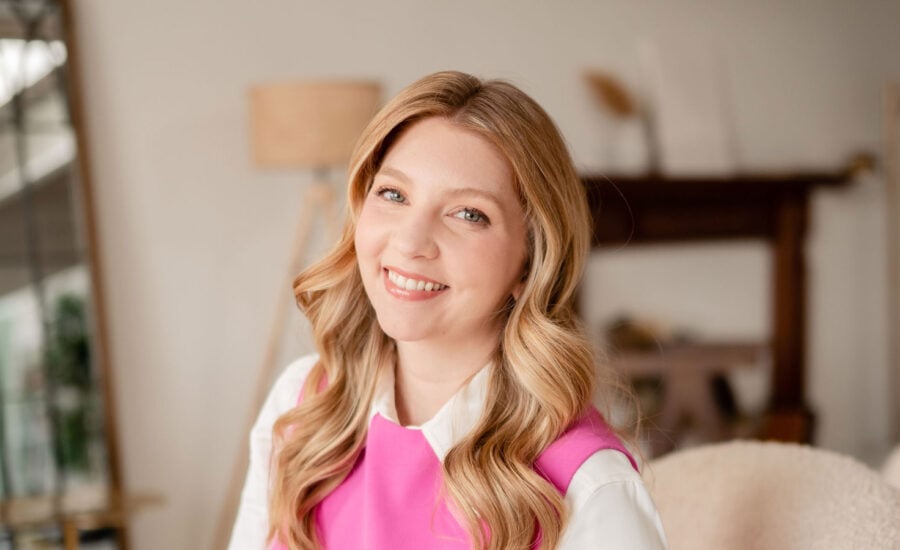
520	286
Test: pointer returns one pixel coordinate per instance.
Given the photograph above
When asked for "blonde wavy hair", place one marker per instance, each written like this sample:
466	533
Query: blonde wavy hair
544	375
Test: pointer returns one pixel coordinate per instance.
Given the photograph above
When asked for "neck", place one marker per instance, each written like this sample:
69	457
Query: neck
428	375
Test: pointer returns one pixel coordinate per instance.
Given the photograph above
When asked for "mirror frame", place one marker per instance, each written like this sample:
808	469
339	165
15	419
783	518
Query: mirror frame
114	514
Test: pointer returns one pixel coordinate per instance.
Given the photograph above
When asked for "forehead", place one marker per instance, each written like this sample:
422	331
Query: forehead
439	153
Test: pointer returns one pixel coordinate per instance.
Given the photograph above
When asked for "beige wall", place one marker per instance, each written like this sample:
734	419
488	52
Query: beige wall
194	239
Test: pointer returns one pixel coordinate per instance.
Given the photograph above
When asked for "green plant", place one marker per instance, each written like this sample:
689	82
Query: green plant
69	365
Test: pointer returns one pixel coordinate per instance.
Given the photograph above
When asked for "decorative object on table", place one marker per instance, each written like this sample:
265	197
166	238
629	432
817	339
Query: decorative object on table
628	111
690	391
306	126
688	89
629	333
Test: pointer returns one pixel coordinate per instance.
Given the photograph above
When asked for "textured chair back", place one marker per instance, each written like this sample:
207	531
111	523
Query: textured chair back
891	468
746	495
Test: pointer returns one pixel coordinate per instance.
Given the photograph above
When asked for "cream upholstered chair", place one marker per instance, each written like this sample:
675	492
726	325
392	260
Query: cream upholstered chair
891	468
775	496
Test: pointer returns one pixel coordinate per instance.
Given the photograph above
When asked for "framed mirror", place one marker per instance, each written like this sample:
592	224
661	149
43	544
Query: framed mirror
59	481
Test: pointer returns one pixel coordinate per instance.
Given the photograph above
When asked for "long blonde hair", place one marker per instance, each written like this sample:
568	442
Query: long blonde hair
544	374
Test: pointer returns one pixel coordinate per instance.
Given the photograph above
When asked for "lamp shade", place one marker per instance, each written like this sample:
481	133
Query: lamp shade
309	124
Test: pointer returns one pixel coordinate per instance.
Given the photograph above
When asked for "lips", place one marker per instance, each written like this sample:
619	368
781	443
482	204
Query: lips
405	284
414	283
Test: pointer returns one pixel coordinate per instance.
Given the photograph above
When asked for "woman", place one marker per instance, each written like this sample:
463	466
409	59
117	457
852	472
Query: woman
449	403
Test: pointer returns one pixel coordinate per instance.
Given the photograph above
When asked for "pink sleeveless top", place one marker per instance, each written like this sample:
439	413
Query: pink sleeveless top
391	500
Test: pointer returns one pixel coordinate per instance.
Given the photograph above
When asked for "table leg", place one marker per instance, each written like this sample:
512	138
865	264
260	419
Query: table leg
70	536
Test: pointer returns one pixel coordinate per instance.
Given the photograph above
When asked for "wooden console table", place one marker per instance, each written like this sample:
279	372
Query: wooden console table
77	511
773	207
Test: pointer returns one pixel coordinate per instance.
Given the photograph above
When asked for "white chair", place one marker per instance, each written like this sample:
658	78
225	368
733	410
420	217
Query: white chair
891	468
773	496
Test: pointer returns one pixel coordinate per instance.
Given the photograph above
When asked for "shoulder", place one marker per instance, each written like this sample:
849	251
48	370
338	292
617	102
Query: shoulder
610	507
568	454
286	389
603	468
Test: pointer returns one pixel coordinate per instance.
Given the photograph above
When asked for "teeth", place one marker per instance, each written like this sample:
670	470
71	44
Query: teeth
413	284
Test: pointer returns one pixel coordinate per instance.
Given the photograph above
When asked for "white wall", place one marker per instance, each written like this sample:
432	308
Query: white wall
194	239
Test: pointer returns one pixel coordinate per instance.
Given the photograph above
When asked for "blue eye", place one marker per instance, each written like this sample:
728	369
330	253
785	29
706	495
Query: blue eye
473	216
390	194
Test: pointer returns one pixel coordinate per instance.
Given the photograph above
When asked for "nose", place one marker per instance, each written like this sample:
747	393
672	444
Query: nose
414	236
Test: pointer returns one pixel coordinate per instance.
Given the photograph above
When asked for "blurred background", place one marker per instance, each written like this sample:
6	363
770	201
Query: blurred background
737	155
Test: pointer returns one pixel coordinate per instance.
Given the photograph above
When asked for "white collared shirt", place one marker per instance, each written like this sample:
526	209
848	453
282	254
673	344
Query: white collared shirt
610	507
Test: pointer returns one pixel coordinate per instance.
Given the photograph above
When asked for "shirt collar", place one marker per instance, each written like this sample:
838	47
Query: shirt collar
451	423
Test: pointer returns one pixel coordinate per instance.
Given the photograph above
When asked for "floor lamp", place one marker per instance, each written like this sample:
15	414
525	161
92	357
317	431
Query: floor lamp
308	126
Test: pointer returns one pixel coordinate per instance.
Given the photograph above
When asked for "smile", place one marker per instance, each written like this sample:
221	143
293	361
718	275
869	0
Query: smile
410	283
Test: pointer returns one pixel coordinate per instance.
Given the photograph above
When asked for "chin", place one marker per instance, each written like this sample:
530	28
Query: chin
401	330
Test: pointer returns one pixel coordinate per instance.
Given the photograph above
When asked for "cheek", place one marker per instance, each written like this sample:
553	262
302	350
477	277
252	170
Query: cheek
366	237
502	264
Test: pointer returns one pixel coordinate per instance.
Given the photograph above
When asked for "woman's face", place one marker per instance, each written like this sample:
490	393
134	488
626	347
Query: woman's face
441	239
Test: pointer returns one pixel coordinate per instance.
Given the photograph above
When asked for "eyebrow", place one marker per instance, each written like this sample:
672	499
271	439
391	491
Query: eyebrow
456	191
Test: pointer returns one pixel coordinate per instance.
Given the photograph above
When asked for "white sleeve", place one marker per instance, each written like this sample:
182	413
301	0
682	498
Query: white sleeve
252	523
611	508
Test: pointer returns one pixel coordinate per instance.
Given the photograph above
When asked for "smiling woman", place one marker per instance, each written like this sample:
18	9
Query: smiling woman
449	404
455	220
